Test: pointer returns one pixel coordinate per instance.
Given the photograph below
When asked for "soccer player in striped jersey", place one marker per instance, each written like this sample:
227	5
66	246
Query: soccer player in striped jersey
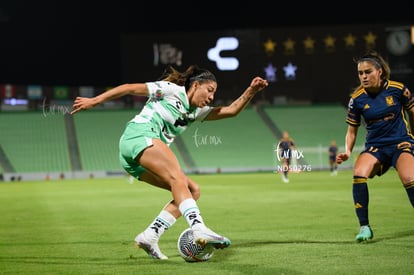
387	108
173	104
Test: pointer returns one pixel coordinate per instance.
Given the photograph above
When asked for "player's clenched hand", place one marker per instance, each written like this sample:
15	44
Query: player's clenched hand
82	103
342	157
258	84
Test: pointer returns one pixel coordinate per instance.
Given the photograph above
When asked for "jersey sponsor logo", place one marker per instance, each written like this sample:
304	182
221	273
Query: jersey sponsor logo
180	122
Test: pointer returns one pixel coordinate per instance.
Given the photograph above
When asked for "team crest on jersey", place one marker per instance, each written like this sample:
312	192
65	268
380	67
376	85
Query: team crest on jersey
366	106
407	93
158	94
389	100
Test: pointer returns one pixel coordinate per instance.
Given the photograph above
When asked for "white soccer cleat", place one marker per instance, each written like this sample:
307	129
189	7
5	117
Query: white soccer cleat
285	179
150	247
207	236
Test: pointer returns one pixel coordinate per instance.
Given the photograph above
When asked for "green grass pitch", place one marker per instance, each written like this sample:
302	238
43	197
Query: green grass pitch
306	226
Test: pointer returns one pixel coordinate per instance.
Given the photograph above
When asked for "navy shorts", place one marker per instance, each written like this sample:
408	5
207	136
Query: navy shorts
388	155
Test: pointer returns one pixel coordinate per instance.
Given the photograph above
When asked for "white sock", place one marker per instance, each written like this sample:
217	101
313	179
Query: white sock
161	223
191	213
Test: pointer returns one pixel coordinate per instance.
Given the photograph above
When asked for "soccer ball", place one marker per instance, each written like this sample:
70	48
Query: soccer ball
192	252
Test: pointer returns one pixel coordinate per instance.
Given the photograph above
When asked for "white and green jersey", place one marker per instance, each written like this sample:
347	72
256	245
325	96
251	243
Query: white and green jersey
168	109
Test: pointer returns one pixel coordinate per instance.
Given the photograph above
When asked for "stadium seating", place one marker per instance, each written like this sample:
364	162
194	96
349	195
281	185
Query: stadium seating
35	142
98	133
240	143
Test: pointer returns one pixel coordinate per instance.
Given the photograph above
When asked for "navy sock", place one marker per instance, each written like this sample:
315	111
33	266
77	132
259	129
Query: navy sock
361	199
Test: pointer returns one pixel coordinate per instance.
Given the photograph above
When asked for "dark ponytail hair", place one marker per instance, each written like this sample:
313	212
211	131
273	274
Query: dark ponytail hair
186	78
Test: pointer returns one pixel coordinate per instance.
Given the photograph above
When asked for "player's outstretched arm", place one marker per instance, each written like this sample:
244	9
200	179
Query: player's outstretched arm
256	85
84	103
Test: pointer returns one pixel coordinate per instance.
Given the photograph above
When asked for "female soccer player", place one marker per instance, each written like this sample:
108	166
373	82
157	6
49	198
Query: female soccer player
284	148
174	103
388	110
332	151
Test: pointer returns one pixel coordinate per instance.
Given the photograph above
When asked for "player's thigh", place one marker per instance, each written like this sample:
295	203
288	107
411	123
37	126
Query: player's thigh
405	167
160	160
366	165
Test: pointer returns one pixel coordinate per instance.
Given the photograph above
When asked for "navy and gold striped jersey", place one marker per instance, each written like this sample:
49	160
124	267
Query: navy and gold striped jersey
383	113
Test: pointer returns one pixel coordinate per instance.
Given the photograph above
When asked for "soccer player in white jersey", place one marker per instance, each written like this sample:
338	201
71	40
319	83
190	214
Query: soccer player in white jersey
174	102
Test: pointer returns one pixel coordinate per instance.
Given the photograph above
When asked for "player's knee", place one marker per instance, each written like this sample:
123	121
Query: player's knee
362	172
176	180
408	182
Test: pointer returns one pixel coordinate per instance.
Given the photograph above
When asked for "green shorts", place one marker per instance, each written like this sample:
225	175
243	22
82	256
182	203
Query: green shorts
136	137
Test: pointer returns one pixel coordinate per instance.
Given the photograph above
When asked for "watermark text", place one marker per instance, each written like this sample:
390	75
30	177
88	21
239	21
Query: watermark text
200	140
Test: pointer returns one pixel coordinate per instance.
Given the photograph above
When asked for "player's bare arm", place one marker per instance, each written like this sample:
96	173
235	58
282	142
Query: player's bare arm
350	139
84	103
240	103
